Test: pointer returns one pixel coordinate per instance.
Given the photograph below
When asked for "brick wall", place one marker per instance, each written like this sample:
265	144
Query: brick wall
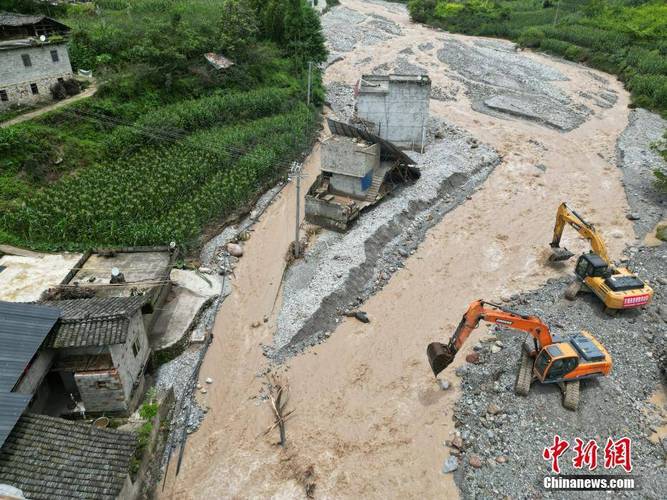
128	364
101	390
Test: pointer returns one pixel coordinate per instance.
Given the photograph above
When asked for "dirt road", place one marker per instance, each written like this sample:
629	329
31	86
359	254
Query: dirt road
369	420
46	109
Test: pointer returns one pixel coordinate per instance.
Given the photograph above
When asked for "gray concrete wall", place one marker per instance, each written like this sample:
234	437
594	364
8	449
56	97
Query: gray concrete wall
327	214
15	77
128	365
36	373
342	155
398	110
349	186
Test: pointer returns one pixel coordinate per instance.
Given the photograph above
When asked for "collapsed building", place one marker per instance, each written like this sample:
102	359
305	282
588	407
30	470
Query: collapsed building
395	108
358	169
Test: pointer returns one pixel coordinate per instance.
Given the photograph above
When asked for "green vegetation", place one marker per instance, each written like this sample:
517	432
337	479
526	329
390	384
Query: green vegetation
624	37
168	144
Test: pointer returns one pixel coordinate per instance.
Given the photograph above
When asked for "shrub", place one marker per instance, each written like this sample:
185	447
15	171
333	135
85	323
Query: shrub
72	86
531	37
58	91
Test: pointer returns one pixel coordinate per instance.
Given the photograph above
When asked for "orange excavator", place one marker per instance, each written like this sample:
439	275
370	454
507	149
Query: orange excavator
545	356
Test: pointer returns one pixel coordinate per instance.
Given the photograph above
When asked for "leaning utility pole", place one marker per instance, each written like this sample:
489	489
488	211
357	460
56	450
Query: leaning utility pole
296	173
310	70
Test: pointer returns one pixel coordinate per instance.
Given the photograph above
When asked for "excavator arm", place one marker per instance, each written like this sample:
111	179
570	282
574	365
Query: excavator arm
440	356
567	216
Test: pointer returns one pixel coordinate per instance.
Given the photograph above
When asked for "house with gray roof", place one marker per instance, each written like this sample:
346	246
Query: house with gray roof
101	350
33	57
47	458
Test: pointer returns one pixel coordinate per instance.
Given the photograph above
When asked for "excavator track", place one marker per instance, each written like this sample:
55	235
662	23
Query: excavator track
571	395
525	375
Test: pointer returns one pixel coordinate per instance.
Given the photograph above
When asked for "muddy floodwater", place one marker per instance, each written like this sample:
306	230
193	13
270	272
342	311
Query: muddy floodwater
368	417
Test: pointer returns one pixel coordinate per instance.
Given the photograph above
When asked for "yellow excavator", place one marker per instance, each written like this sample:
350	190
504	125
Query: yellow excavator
617	287
545	357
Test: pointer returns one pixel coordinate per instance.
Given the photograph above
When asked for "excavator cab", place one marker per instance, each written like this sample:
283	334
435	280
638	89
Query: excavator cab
554	362
591	265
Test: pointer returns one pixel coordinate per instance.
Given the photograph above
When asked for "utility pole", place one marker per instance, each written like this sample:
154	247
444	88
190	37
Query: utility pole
296	173
310	70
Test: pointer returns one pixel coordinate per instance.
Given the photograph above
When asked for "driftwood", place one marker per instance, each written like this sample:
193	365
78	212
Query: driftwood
279	397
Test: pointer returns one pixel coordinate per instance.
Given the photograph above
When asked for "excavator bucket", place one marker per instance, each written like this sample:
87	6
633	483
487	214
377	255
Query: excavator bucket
440	356
559	254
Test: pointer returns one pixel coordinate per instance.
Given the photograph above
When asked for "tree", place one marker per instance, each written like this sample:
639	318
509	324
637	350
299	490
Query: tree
303	33
238	28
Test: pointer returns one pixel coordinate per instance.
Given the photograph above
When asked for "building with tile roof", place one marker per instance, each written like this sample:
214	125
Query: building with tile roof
101	350
33	58
47	458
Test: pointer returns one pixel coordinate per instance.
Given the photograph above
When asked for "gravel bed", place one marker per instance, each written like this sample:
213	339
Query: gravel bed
498	426
637	159
501	81
344	29
340	98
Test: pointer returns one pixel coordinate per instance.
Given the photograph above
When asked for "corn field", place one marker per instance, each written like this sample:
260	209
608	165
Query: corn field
164	192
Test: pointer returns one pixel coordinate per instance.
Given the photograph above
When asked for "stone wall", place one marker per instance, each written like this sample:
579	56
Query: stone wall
15	77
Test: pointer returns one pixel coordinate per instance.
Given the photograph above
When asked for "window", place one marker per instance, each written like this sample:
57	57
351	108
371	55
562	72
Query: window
101	384
34	89
26	60
136	347
561	366
3	96
542	361
54	56
61	80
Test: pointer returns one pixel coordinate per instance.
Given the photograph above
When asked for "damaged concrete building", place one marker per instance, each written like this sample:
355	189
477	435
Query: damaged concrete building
395	107
357	170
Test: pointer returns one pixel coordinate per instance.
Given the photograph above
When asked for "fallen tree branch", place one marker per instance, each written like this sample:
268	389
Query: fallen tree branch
279	397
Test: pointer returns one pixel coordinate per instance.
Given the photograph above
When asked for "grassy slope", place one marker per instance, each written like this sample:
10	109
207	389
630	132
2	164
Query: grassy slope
624	37
166	146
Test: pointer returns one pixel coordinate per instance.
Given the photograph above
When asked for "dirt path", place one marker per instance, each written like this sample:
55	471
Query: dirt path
39	112
369	418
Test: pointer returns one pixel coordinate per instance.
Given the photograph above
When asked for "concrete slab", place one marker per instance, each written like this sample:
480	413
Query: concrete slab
143	270
24	278
135	266
189	294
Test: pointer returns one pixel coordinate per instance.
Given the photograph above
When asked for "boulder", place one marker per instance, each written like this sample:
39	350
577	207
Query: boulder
235	249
